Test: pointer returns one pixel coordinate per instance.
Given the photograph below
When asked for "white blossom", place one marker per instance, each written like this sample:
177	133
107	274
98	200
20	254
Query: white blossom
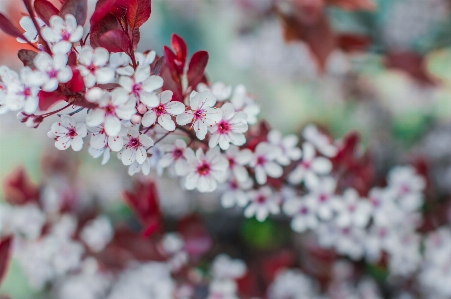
264	163
200	114
322	143
288	147
135	147
229	129
237	160
355	211
67	133
175	155
235	193
205	170
54	69
64	32
163	112
31	34
325	199
262	203
97	233
23	93
143	86
303	212
221	91
407	187
243	102
93	66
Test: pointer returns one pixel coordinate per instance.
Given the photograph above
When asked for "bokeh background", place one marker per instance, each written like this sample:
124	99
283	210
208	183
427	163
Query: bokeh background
386	74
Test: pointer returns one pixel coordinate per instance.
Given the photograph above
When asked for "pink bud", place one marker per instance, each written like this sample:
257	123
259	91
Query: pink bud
22	116
136	119
141	108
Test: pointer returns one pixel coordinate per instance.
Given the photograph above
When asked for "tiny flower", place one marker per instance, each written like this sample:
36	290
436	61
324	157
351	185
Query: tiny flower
31	34
383	207
310	167
23	93
324	198
97	233
226	268
113	107
143	86
200	114
229	129
322	143
407	187
163	112
303	212
237	159
96	153
175	155
288	146
100	140
205	170
54	69
354	211
64	32
221	91
136	145
68	133
154	155
93	66
262	203
235	193
243	102
263	163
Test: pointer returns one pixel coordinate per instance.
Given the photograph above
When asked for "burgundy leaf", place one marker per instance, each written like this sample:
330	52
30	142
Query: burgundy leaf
170	62
5	256
19	189
72	59
158	66
196	68
27	57
48	99
120	9
8	27
353	42
103	7
77	8
45	10
353	5
115	41
136	37
76	84
109	22
138	12
181	51
198	240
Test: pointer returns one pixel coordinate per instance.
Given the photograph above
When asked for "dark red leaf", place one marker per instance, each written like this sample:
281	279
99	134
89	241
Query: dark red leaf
8	27
109	22
353	42
5	256
196	68
172	66
115	41
157	66
48	99
27	57
72	59
19	189
77	8
136	37
411	63
76	84
138	12
354	4
103	7
181	51
45	10
197	239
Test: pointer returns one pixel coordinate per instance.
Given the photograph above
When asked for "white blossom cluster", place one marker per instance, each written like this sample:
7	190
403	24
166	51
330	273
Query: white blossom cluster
225	271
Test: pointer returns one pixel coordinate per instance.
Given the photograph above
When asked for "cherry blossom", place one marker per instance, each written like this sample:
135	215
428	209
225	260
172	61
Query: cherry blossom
407	187
31	34
113	107
55	69
93	66
220	90
143	86
175	154
243	102
321	142
200	114
264	163
100	139
324	198
97	233
348	241
354	211
237	160
23	93
136	145
310	167
229	129
235	193
96	153
303	212
225	267
288	146
205	170
163	112
262	203
64	32
67	133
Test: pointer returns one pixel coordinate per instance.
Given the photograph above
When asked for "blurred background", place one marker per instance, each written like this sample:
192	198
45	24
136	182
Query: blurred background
380	67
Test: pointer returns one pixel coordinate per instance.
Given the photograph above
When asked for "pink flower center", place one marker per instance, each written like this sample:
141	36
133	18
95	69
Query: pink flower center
27	92
53	73
110	110
161	109
231	162
177	153
261	199
137	89
351	208
303	211
199	114
323	198
224	127
65	35
306	164
203	169
233	185
134	143
92	68
72	133
346	231
261	160
405	189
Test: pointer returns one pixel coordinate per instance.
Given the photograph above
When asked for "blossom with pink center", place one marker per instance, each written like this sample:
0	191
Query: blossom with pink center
322	143
100	139
135	147
143	86
354	211
93	66
229	129
221	91
235	193
64	32
264	163
262	203
113	107
174	154
205	170
163	112
54	69
324	198
242	101
237	160
22	92
407	187
303	212
201	115
67	133
310	167
287	145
